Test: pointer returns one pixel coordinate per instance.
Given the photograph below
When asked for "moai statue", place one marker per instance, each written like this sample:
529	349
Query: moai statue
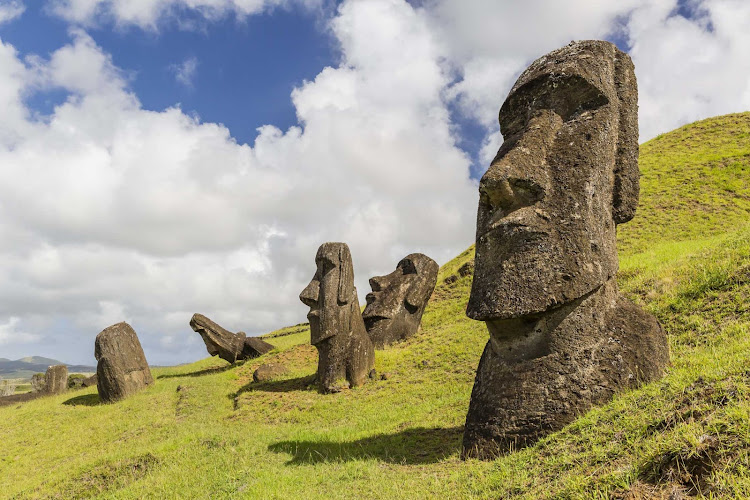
562	338
56	379
228	346
345	351
397	301
37	382
122	369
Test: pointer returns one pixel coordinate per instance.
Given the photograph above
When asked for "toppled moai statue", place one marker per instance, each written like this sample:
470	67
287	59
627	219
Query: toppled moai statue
90	381
561	336
122	369
397	301
337	330
228	346
56	379
254	347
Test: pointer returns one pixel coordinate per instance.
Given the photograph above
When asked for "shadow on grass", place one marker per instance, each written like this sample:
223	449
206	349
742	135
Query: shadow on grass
415	446
85	400
305	383
20	398
205	371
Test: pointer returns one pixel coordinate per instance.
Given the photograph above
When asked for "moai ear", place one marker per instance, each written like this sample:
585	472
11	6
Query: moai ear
420	292
415	297
346	275
627	183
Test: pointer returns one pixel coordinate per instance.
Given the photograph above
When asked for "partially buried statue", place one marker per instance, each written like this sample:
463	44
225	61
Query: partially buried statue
345	351
56	379
122	369
228	346
397	301
562	338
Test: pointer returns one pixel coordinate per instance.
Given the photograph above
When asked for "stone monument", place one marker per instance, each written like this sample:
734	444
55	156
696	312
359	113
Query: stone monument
122	369
345	351
56	379
397	301
228	346
562	338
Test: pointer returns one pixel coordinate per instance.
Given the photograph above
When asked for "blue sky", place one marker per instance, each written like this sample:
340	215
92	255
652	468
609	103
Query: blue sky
245	68
165	157
236	71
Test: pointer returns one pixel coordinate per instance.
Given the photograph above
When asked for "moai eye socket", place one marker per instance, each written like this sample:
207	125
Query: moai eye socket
566	95
407	266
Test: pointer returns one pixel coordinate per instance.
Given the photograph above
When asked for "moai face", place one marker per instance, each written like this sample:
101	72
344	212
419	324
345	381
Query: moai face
397	301
330	292
565	175
219	341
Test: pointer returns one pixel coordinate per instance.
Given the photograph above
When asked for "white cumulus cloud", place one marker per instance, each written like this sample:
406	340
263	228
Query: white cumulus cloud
10	10
147	14
185	72
114	212
109	211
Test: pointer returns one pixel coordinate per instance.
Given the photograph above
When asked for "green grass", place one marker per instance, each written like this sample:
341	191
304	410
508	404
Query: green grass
205	430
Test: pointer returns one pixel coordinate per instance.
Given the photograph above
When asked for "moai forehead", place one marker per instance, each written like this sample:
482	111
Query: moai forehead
565	175
337	256
579	77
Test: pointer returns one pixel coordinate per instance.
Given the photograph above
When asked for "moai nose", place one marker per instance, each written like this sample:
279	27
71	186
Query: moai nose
309	295
508	193
376	283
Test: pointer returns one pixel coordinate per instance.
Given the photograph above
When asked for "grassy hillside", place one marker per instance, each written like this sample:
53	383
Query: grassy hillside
205	430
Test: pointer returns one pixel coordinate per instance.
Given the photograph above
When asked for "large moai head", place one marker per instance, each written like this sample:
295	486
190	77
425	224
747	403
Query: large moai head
397	301
330	293
564	177
562	338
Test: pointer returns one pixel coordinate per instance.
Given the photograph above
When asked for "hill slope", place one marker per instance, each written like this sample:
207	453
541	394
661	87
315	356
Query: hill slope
205	430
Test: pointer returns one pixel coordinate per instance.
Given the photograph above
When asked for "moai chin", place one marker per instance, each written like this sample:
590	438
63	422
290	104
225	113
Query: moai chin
345	351
398	300
562	338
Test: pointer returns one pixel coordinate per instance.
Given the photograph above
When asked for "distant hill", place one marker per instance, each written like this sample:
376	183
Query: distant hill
26	367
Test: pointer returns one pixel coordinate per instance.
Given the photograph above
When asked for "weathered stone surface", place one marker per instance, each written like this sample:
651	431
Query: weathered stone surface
90	381
122	369
228	346
562	338
37	382
397	301
56	379
219	341
75	381
254	347
269	371
345	351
